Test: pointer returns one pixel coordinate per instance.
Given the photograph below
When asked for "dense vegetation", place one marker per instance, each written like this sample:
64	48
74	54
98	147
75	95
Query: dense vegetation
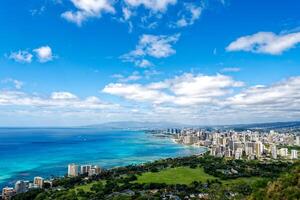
185	178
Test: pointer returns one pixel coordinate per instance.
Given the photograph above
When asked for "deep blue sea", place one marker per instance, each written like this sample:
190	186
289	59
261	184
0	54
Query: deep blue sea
25	153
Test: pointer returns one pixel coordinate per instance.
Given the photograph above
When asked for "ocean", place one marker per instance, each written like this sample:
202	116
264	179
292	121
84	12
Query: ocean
25	153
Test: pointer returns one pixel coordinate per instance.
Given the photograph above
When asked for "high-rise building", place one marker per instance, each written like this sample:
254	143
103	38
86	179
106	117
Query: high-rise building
274	151
283	152
8	193
294	154
297	142
84	169
21	186
259	148
95	170
38	182
72	170
238	153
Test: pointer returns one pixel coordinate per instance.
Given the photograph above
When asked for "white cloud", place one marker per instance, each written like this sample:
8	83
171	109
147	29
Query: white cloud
218	99
133	77
265	42
189	18
88	9
63	96
127	13
57	100
137	92
231	69
21	56
187	89
282	95
151	46
144	63
187	98
153	5
17	84
44	54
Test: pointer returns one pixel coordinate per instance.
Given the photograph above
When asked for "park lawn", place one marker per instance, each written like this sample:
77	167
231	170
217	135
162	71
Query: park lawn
180	175
87	187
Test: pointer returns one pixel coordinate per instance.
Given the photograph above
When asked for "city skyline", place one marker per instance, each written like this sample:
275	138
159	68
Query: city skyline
209	62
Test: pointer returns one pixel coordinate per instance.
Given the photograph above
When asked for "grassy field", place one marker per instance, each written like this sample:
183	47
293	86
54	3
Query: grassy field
86	187
180	175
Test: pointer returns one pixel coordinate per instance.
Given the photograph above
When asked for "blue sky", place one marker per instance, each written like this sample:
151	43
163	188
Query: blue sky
76	62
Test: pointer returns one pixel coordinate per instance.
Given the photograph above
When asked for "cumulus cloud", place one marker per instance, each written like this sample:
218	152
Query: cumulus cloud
136	92
62	100
63	95
284	95
88	9
217	99
44	54
187	98
187	89
265	42
151	46
21	56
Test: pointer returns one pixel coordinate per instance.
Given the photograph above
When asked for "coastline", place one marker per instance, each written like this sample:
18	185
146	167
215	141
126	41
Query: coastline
139	149
191	145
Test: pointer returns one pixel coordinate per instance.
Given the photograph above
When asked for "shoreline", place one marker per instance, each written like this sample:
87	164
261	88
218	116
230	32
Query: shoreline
10	180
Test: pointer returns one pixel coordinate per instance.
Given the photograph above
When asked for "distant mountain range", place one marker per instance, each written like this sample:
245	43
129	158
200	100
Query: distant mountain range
130	125
137	125
270	125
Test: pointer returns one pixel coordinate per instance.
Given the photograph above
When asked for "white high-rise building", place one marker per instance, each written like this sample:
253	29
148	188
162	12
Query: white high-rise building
274	151
297	142
73	170
84	169
38	182
283	152
294	154
95	170
259	148
21	186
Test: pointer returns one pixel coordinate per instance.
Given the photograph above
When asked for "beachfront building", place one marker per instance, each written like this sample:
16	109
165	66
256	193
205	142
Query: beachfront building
21	186
8	193
95	170
38	182
73	170
84	169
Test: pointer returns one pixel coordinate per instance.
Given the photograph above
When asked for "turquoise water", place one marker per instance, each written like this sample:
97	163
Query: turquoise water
26	153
